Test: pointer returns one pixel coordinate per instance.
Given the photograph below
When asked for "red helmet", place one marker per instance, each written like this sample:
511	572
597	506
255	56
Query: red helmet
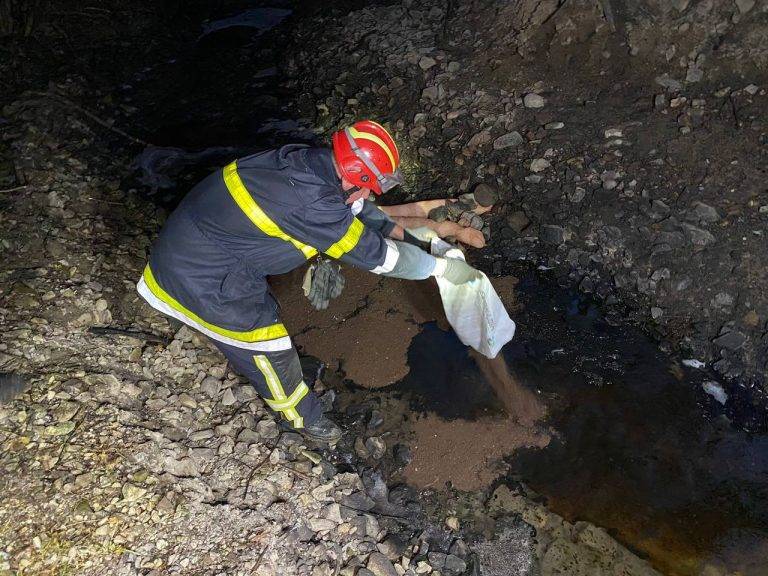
367	156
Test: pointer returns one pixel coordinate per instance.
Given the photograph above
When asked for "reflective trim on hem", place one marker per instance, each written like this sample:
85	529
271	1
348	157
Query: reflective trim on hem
390	258
274	345
347	242
255	214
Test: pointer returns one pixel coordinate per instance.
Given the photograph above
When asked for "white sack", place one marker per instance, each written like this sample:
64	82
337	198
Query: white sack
474	310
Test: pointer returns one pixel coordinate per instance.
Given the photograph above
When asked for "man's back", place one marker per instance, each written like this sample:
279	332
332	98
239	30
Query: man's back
266	214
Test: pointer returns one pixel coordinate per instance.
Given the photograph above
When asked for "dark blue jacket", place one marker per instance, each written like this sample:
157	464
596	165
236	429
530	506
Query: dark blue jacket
261	215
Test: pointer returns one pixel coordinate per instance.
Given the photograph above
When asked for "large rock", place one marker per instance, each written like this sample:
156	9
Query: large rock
745	6
518	221
478	140
730	340
701	212
425	63
697	236
552	234
508	140
533	101
485	195
380	565
539	165
184	468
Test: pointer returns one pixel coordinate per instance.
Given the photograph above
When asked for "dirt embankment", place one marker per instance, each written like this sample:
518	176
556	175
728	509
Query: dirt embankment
143	453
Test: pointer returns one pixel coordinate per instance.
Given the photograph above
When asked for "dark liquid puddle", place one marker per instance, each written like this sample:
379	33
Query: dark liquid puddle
639	448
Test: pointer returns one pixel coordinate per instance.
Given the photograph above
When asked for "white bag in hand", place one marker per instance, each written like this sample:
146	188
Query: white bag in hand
474	310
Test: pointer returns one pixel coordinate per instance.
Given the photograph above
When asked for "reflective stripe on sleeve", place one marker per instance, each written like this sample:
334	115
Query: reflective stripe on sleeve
267	339
390	258
281	402
254	212
347	242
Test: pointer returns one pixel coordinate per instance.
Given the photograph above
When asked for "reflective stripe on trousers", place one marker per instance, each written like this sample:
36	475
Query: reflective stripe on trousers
280	401
278	378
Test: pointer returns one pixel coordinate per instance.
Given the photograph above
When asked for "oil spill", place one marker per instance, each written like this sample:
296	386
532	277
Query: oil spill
639	451
636	449
444	380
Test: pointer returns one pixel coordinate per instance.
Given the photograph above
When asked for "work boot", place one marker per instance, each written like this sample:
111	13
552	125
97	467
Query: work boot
322	430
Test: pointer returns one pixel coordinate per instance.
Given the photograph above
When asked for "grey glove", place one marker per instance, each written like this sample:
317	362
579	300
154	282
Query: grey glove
455	270
323	282
414	241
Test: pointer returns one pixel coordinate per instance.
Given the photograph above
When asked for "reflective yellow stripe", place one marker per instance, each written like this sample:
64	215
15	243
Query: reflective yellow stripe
348	241
278	393
254	212
356	134
256	335
292	400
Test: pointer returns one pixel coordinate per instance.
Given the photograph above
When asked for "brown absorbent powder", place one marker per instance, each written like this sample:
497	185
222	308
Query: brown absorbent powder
469	454
521	404
366	332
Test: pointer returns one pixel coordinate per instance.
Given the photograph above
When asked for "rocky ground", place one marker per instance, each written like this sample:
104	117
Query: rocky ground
141	453
629	144
627	141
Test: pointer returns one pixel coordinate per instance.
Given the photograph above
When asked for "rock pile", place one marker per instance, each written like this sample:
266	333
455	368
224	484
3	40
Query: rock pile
137	451
632	172
129	447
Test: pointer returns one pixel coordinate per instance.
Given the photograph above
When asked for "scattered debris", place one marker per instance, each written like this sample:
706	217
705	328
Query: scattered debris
715	390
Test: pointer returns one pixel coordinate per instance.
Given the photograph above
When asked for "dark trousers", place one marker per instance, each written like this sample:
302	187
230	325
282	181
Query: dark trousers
278	378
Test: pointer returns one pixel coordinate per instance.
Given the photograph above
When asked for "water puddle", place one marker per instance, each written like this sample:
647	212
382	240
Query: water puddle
632	441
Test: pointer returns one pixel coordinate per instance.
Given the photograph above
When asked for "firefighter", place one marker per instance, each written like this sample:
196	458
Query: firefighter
267	214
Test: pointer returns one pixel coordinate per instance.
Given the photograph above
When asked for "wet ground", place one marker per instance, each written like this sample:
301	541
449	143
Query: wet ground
637	446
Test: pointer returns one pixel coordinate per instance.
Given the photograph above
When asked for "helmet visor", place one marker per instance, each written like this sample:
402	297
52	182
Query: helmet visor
389	181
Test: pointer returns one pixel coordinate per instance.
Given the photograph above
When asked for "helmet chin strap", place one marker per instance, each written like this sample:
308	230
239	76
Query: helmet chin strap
355	194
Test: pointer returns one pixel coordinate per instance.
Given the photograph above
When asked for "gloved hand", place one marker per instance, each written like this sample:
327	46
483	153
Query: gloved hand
323	282
455	270
414	240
